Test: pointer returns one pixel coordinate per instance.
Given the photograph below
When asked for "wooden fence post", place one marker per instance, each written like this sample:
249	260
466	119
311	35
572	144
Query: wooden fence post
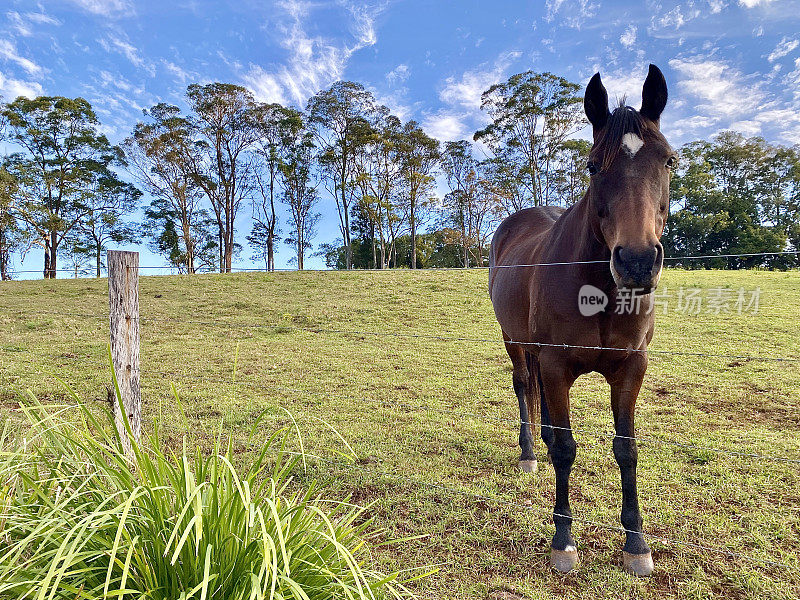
123	302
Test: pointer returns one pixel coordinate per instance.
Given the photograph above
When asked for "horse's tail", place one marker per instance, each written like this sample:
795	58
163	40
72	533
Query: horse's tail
534	391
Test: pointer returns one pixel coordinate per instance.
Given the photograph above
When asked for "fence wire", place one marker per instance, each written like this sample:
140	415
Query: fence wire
448	338
478	267
481	417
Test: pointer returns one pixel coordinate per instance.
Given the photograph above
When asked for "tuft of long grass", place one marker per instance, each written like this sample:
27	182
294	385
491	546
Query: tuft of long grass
79	520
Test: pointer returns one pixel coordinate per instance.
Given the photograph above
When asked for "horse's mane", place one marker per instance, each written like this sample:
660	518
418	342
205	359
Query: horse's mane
624	119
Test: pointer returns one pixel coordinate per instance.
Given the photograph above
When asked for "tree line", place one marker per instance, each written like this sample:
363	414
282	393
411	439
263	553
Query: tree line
402	198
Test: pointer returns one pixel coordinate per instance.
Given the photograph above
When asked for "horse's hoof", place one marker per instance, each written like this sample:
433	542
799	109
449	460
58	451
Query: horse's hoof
564	560
640	565
528	466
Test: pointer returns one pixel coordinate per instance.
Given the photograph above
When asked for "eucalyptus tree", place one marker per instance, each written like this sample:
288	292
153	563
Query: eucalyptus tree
9	229
502	178
337	115
276	125
62	161
10	234
532	114
418	156
299	192
225	120
569	178
460	170
377	178
484	212
107	207
162	156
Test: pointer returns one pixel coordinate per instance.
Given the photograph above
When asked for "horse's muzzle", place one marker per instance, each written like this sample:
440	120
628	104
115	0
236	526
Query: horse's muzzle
637	269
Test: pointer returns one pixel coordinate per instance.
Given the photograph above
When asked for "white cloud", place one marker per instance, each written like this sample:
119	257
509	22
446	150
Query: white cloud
722	97
17	22
12	88
8	52
265	86
41	18
399	74
574	12
716	6
129	51
782	49
792	80
446	126
673	18
753	3
722	90
314	62
463	94
106	8
180	74
23	23
628	38
466	90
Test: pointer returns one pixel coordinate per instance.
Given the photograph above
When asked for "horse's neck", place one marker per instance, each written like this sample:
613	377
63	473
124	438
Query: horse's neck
577	233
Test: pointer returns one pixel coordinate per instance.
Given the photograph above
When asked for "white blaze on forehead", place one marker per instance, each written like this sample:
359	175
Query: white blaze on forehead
632	143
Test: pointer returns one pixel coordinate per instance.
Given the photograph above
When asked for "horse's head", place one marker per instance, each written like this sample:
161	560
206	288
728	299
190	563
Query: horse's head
629	165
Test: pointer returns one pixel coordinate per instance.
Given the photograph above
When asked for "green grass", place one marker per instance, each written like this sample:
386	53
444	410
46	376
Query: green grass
419	411
80	521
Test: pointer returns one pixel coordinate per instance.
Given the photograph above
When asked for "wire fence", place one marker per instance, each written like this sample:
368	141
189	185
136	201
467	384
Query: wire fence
265	387
174	268
289	329
268	386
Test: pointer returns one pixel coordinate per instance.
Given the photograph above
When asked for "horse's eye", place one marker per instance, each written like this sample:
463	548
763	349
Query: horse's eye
672	162
592	168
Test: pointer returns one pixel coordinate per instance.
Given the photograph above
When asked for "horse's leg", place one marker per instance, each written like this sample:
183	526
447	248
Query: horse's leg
556	381
547	426
625	384
527	460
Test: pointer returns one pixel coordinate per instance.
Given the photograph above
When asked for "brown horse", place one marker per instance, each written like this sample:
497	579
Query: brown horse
593	313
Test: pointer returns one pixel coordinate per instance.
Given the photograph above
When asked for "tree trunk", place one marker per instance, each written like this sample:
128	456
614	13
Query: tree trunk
299	254
348	247
464	239
221	249
374	248
5	256
51	255
413	237
98	249
273	221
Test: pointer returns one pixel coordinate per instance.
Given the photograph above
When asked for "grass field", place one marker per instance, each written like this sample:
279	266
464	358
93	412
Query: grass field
419	411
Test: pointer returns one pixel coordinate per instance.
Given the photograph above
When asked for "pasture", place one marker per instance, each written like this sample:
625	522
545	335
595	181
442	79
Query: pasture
432	421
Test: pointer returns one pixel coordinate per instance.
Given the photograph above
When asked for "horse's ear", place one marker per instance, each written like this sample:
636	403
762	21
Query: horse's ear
595	103
654	94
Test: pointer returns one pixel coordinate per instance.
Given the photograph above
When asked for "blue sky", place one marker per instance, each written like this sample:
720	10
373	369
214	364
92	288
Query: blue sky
728	63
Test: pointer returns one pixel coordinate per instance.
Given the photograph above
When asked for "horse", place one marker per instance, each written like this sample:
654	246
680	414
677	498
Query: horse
557	281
